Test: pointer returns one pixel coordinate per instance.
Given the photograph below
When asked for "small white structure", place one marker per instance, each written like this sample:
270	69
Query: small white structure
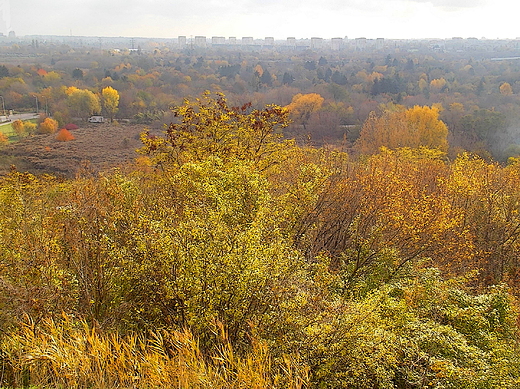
96	119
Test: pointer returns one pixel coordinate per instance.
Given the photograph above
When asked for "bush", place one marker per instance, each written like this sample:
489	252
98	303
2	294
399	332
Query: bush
48	126
3	139
64	135
29	127
18	127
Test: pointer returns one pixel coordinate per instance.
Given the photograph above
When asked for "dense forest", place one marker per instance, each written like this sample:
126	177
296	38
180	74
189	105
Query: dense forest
316	221
477	96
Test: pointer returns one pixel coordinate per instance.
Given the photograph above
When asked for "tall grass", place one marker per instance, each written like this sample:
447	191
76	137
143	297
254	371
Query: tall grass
66	354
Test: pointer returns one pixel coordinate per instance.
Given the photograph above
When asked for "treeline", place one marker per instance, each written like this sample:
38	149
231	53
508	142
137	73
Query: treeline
477	97
227	256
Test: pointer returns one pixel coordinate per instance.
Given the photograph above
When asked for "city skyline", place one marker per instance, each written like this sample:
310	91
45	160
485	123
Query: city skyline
394	19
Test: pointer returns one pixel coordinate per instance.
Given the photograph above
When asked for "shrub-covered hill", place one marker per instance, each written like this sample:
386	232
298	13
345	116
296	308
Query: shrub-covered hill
226	256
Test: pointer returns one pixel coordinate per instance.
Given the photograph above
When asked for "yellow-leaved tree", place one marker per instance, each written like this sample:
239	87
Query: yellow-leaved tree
414	127
82	102
303	106
208	126
48	126
110	101
506	89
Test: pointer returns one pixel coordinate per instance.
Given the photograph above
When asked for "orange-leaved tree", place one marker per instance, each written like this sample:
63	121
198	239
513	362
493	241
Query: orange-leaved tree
64	135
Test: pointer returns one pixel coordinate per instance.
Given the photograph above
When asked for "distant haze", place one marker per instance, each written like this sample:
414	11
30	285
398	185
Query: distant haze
260	18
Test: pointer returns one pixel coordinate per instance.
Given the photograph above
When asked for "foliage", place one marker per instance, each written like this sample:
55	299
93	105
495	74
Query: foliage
29	127
18	127
414	127
303	106
3	139
505	89
110	101
210	127
64	135
48	126
71	354
415	333
322	269
82	102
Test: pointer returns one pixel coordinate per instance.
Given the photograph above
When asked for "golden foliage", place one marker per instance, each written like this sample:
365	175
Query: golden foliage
414	127
506	89
110	101
303	106
48	126
18	127
74	355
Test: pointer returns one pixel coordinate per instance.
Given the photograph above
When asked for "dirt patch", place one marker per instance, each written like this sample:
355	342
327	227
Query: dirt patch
99	146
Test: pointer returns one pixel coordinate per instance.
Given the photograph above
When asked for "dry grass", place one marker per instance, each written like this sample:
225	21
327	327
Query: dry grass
74	355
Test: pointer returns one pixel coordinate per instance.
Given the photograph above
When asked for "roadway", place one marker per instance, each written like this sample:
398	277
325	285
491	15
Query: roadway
22	116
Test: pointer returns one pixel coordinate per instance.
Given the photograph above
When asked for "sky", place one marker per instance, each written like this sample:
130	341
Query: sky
390	19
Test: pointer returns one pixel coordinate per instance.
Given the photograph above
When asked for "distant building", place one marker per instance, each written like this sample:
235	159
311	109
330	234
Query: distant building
200	41
291	41
361	44
316	43
247	41
269	41
12	34
181	40
380	43
218	40
336	44
232	40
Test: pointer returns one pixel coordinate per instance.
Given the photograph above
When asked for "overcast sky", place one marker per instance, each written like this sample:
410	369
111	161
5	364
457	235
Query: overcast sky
260	18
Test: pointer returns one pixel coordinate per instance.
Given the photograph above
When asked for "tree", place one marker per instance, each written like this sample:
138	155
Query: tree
505	89
18	127
414	127
77	74
64	135
82	102
287	79
4	72
110	101
208	126
303	106
48	126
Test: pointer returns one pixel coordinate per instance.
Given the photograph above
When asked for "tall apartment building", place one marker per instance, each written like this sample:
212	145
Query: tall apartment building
200	41
181	41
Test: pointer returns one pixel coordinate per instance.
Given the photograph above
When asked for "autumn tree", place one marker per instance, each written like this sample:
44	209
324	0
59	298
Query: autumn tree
3	139
110	101
414	127
82	102
64	135
505	89
303	106
18	127
208	126
29	127
48	126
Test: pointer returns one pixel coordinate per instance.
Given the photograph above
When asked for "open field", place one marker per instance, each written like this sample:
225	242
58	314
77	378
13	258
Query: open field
102	145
